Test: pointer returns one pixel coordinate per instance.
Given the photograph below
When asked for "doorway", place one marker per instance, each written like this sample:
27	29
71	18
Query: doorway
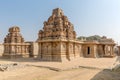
88	49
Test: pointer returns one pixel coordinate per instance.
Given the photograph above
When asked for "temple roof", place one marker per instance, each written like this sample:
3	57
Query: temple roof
57	27
14	35
14	29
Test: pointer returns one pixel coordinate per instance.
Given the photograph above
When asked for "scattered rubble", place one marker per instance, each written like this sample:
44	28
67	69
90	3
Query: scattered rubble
116	68
12	66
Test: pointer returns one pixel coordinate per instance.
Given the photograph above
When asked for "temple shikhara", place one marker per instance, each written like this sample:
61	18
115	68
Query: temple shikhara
56	42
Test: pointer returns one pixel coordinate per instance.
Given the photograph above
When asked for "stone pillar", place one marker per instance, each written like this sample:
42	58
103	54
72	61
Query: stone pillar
68	53
8	49
95	51
106	50
63	51
77	50
22	50
112	51
12	49
46	51
81	51
71	50
39	50
74	54
56	51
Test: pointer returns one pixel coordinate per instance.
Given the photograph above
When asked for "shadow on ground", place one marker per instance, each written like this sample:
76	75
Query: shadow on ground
107	74
19	59
25	60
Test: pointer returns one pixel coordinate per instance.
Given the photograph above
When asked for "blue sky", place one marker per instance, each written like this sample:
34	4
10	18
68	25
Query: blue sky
90	17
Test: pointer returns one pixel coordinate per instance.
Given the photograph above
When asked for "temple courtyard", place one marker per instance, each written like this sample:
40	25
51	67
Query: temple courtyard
77	69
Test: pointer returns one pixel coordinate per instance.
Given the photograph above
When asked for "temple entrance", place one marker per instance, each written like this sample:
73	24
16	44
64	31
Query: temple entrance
103	49
88	49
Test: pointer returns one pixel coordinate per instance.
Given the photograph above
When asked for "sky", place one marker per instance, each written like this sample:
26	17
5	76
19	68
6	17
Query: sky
89	17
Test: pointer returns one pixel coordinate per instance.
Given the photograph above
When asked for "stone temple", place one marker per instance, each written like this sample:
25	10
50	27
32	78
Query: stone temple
56	42
14	45
57	39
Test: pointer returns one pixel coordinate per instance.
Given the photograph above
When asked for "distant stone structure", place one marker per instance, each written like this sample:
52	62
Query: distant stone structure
14	45
56	42
102	48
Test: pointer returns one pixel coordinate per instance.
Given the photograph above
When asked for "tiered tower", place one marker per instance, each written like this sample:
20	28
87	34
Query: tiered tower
14	45
57	40
57	27
14	36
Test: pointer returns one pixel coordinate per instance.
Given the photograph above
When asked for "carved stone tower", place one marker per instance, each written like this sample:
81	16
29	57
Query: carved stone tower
14	45
57	27
14	36
57	39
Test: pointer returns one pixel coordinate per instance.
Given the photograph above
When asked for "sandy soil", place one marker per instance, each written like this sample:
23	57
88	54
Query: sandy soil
78	69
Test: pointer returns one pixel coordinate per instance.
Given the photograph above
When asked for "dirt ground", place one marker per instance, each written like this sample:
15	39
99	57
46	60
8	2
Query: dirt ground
78	69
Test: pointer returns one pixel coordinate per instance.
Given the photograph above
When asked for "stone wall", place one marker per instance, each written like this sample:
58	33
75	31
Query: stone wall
50	51
34	49
59	50
90	50
1	49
